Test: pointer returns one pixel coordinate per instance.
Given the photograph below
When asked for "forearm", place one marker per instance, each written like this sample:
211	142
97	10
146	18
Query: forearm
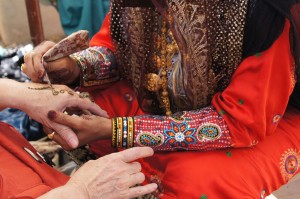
97	65
64	192
12	94
203	130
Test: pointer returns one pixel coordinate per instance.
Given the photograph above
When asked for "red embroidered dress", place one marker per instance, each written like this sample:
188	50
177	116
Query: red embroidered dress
249	134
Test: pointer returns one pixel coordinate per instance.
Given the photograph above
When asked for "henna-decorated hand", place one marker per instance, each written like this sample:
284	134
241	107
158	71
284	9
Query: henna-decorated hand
39	99
62	71
88	127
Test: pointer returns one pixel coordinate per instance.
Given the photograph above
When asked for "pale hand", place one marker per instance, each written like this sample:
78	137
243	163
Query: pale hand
114	176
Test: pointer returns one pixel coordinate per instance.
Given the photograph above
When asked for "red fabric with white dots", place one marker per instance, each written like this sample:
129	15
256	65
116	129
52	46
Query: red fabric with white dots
264	133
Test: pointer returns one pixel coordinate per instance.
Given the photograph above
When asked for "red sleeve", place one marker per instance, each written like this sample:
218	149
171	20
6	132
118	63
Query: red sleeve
103	38
259	92
247	111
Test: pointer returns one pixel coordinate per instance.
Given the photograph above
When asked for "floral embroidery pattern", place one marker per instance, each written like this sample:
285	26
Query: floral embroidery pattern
209	131
276	118
182	131
289	163
148	139
180	135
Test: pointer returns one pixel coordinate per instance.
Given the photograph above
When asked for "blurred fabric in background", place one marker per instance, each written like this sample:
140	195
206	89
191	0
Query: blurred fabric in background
82	15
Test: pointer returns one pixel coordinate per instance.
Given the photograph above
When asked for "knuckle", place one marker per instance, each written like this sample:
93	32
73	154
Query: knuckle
140	177
137	166
27	57
49	43
124	194
121	185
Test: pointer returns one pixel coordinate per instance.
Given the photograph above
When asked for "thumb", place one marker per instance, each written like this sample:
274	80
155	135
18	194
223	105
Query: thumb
67	134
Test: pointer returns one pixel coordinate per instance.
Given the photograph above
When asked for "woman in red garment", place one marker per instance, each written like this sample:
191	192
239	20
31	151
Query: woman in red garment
216	77
24	172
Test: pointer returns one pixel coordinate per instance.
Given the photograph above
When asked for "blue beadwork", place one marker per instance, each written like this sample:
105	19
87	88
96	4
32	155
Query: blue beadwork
180	135
209	131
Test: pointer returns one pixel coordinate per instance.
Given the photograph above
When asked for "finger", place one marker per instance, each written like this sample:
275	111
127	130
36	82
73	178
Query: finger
65	119
129	181
67	134
138	191
28	67
57	138
86	104
40	50
135	167
135	153
37	65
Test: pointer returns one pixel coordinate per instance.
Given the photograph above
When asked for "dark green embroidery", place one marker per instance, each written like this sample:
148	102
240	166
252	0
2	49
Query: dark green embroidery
258	54
203	196
222	112
241	102
228	153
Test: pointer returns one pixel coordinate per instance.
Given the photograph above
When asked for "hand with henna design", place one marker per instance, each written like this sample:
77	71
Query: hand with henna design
37	100
88	127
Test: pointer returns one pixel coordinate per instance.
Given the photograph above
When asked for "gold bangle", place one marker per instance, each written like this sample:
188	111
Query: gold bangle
130	132
119	131
114	133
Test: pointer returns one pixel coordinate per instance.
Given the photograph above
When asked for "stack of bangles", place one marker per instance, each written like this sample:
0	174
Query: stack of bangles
122	132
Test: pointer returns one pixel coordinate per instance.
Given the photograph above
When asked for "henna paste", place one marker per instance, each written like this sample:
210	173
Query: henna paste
54	92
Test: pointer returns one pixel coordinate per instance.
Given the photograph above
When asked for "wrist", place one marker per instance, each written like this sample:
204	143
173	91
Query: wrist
76	189
25	97
104	130
13	94
75	70
70	190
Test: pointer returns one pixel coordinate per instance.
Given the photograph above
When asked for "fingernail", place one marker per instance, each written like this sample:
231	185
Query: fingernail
51	115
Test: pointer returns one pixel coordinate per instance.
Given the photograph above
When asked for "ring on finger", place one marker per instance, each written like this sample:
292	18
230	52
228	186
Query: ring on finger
51	135
22	66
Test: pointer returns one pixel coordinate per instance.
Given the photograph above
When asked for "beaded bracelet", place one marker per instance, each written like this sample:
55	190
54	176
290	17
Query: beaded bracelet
122	132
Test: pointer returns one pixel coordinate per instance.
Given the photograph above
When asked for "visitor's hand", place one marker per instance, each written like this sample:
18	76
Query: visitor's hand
61	71
113	176
88	127
37	102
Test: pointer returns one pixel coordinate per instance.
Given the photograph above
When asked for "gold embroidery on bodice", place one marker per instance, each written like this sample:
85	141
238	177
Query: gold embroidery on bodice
204	48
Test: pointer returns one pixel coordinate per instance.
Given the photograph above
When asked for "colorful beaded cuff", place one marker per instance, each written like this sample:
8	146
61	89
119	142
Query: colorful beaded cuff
202	130
122	132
